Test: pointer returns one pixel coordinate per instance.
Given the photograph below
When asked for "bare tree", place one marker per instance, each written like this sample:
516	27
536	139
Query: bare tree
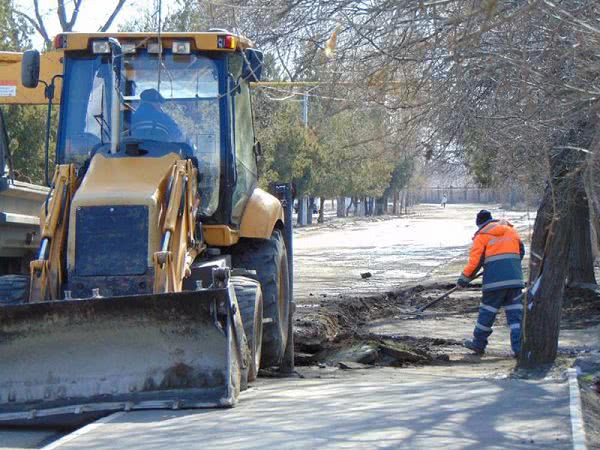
67	21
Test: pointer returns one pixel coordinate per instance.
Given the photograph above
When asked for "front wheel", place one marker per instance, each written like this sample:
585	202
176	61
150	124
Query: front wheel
250	300
268	257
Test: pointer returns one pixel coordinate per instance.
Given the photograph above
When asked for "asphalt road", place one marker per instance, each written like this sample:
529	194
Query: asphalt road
381	408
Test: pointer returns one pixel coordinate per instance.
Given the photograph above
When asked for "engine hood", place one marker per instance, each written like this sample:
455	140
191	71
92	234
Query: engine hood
122	181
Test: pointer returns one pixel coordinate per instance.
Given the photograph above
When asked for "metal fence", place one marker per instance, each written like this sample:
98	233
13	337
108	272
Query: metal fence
470	194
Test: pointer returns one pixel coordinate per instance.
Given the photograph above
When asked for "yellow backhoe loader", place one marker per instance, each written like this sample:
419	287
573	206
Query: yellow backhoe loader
163	274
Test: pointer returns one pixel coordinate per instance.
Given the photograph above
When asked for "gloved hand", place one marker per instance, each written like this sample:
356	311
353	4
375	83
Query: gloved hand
462	281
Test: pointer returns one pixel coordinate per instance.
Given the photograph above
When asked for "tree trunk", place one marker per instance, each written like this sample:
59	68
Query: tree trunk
592	187
550	249
321	211
403	207
395	205
309	211
581	260
301	214
341	207
379	202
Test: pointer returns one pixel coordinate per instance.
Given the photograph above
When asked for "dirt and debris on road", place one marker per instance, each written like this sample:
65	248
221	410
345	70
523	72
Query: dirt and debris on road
336	330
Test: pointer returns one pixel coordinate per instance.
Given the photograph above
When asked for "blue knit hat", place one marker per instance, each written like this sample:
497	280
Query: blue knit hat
483	216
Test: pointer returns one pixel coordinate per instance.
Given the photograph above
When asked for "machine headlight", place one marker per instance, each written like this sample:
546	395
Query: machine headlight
128	47
181	47
154	47
100	47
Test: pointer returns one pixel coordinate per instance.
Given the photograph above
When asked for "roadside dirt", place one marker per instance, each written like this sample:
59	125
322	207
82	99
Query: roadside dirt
336	330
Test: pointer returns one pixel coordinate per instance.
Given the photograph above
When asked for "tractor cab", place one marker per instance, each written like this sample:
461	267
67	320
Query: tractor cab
133	95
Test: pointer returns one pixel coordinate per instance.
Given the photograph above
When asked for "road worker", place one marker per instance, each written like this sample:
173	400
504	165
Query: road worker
497	248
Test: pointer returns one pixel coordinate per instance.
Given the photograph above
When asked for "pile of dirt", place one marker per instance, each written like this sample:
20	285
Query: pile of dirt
335	318
372	350
331	332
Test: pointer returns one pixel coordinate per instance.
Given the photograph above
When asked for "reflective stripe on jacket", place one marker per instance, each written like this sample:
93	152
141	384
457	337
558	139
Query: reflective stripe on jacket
498	248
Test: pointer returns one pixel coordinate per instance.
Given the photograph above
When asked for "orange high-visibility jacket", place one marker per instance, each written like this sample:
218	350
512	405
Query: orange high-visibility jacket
498	248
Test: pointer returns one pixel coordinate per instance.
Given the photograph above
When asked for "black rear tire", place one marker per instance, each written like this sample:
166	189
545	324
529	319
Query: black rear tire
14	289
268	257
287	363
250	302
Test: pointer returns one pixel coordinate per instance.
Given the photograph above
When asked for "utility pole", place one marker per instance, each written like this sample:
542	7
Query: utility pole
304	210
309	206
305	109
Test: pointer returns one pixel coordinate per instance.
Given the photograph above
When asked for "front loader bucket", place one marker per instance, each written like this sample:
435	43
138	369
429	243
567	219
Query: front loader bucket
92	356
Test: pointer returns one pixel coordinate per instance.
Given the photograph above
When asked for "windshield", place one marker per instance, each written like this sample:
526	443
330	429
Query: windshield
173	99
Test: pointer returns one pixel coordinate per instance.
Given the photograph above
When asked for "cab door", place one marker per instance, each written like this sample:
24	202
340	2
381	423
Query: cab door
244	146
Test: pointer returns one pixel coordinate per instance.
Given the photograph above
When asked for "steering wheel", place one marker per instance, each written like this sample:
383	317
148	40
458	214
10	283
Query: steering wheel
150	129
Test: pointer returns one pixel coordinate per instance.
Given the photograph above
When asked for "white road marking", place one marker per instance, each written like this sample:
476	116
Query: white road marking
90	427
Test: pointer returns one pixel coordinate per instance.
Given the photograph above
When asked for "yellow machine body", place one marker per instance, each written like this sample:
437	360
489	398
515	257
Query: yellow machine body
12	91
110	323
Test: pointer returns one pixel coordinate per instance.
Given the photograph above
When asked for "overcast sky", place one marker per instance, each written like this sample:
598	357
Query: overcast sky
92	15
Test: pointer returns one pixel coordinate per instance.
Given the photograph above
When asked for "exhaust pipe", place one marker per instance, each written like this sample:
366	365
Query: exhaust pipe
115	110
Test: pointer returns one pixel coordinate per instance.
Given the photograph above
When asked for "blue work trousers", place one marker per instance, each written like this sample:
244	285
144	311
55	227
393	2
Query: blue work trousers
491	302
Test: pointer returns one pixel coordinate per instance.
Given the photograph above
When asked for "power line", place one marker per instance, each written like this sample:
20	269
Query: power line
292	94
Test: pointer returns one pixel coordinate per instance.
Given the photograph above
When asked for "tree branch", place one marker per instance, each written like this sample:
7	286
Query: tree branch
62	15
71	23
38	25
114	14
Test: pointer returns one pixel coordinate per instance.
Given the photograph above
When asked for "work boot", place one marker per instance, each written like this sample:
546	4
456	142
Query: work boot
467	343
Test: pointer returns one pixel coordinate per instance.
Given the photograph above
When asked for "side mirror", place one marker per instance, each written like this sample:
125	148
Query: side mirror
30	69
253	64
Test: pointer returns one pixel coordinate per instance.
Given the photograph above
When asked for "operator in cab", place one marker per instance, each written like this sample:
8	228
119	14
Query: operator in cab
149	121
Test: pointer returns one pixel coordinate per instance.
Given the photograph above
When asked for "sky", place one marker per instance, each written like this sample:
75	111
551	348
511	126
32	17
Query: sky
92	15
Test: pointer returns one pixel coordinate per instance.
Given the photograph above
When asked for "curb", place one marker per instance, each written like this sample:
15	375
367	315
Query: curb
577	427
